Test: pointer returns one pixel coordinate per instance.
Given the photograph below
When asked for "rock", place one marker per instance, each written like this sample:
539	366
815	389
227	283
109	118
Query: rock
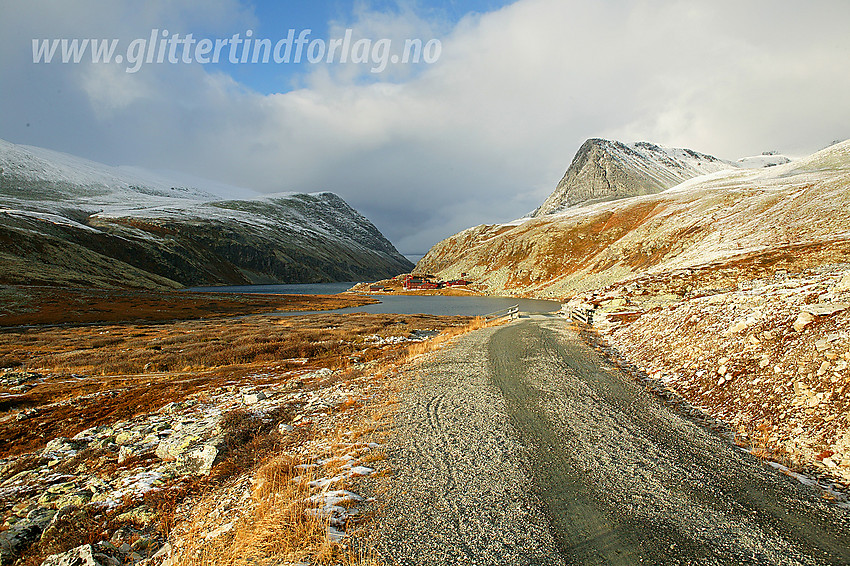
739	326
223	529
199	460
252	398
142	544
825	309
171	448
75	499
284	428
18	538
843	284
164	556
125	437
141	515
53	532
85	555
804	319
125	453
61	448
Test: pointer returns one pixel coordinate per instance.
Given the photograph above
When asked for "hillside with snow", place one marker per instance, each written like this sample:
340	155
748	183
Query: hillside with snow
607	170
795	214
70	221
604	170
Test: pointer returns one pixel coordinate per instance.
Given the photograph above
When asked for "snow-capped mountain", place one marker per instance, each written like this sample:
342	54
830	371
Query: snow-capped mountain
606	170
67	220
792	215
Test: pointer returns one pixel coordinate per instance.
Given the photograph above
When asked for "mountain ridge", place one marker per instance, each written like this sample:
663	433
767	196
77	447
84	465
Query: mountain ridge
69	221
609	169
801	207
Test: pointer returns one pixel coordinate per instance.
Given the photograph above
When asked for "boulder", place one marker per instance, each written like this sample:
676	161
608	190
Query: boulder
804	319
825	309
739	326
85	555
198	460
170	448
61	448
141	515
18	538
54	532
843	284
252	398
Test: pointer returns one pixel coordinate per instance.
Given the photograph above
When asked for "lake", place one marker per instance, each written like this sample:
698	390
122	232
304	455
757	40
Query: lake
396	304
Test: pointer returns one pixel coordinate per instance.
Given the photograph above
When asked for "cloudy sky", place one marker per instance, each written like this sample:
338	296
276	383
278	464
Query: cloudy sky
480	134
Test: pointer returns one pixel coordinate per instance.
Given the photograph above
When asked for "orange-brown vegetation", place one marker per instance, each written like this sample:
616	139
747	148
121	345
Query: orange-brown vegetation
102	374
126	370
21	306
279	522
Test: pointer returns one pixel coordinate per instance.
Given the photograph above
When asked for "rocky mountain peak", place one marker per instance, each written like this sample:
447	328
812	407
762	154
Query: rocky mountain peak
609	169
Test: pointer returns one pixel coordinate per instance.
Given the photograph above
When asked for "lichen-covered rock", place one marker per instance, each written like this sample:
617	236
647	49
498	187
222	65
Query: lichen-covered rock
199	460
171	448
61	448
85	555
23	534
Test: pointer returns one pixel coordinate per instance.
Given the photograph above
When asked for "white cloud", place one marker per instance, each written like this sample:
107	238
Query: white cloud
483	135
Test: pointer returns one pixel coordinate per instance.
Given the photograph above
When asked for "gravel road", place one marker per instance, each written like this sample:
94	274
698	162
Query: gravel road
521	445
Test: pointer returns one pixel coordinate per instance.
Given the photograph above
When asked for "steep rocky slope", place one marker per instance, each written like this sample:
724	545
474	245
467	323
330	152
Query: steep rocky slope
607	170
795	213
69	221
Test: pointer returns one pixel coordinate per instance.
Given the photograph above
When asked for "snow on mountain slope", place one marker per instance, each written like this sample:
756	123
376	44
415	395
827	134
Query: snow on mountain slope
130	227
761	161
797	211
606	170
62	176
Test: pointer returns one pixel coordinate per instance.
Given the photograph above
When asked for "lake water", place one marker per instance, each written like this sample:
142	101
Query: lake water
398	304
287	289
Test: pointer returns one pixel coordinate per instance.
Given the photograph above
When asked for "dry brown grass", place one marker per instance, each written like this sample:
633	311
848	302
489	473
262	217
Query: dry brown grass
279	527
103	374
444	338
20	305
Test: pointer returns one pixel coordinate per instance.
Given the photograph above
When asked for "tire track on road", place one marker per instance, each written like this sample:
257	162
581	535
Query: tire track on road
521	445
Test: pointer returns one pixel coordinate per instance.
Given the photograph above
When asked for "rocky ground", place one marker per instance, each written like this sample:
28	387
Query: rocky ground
768	356
162	452
188	479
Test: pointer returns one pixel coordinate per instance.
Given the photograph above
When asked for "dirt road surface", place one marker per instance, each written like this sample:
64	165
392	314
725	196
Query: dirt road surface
522	445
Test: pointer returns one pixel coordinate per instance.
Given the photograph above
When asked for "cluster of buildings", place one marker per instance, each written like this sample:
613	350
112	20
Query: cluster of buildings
426	282
422	283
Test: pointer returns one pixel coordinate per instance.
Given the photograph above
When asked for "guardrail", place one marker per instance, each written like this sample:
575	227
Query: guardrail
510	312
579	314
